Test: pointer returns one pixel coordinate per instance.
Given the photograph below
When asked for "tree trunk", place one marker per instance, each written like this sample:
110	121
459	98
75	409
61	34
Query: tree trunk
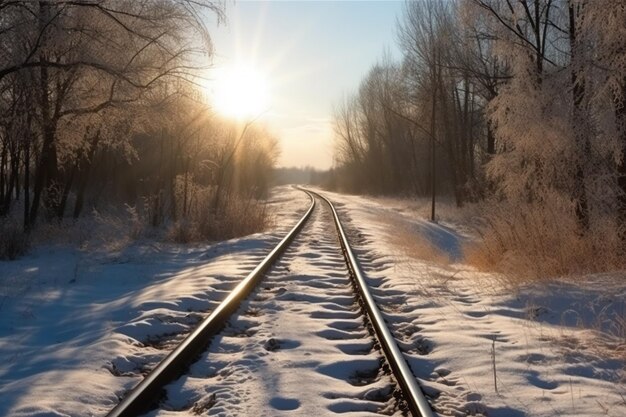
3	163
45	176
44	165
619	100
16	178
3	208
80	197
27	185
87	166
433	133
12	183
66	192
81	188
186	187
172	183
582	140
491	140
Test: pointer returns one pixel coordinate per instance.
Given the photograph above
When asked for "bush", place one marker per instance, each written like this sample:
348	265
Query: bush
236	215
543	240
13	241
114	228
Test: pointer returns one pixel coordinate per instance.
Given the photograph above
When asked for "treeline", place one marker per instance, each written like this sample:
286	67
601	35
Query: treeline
304	175
517	102
100	106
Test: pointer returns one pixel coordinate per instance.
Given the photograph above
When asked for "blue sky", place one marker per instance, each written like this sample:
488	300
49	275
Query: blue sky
312	54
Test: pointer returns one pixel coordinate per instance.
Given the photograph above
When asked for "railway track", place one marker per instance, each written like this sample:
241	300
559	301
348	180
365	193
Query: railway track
320	326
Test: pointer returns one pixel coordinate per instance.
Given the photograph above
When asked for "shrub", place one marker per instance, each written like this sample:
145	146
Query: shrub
236	215
543	240
13	241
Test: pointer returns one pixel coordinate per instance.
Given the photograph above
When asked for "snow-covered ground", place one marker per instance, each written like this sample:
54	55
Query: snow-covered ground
554	345
296	347
78	329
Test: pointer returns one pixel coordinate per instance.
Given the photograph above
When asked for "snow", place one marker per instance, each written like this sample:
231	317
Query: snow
556	349
306	351
78	329
72	322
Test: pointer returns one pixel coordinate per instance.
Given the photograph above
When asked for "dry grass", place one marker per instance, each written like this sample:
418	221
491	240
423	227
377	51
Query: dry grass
538	244
528	246
413	244
108	230
534	242
236	216
113	229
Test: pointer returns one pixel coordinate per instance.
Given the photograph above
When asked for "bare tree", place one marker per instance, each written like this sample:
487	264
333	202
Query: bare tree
86	56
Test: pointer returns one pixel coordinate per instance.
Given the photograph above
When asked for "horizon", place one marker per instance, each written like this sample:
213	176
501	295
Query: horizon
336	42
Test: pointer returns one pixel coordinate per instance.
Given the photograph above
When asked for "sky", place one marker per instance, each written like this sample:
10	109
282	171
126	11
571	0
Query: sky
312	54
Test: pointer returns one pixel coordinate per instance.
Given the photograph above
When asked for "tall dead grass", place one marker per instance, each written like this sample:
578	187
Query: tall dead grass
414	244
527	242
236	216
114	228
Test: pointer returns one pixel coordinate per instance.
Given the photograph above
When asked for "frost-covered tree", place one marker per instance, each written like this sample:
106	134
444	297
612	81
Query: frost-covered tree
84	57
602	68
559	121
525	103
377	143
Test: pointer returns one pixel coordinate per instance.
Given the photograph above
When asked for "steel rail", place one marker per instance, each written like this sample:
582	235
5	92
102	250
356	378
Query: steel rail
413	395
143	397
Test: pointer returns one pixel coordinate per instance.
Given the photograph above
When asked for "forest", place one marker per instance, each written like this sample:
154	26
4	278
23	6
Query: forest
102	111
516	109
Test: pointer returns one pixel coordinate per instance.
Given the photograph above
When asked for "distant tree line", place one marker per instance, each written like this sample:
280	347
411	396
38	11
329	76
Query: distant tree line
304	175
99	105
518	101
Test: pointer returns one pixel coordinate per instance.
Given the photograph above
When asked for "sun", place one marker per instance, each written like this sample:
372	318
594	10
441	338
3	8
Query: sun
240	91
